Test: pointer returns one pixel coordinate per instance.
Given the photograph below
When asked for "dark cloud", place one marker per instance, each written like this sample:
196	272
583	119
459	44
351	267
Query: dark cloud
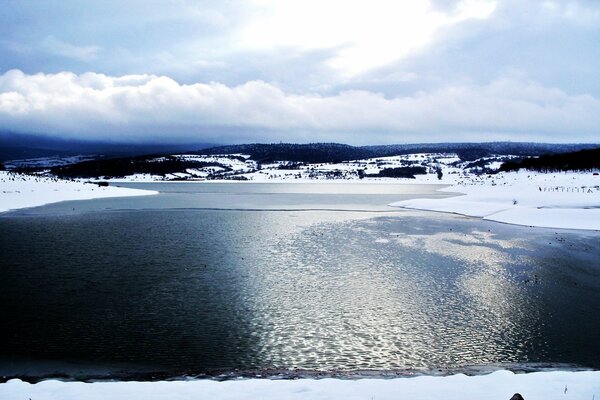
135	36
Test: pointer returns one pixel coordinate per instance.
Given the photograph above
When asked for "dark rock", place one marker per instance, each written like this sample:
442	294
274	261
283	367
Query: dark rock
517	396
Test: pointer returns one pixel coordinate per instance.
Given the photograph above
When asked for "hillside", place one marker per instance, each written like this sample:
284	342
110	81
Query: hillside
285	161
334	152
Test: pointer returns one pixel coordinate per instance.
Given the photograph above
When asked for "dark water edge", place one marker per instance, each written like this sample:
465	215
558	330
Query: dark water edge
100	375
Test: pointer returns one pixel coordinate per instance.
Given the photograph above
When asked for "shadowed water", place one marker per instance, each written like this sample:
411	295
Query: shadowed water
134	284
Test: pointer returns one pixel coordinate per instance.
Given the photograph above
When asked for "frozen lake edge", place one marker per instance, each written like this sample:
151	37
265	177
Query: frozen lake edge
499	385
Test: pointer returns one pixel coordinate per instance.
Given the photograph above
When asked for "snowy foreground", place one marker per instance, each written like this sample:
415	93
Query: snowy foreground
500	385
553	200
22	191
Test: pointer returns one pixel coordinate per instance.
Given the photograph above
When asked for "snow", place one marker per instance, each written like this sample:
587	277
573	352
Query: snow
22	191
561	200
454	170
499	385
229	160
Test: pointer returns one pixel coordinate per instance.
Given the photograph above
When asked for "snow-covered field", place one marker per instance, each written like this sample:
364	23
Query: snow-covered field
500	385
553	200
22	191
352	170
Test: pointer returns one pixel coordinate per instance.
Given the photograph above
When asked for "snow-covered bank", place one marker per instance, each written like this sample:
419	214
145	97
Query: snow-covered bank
552	200
500	385
23	191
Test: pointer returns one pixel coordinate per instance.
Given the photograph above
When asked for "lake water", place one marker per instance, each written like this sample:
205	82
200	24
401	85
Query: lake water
210	277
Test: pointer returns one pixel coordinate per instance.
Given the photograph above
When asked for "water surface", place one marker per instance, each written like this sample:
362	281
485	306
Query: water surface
208	277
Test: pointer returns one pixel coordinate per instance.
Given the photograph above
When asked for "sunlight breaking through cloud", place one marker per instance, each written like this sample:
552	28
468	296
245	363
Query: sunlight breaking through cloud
365	35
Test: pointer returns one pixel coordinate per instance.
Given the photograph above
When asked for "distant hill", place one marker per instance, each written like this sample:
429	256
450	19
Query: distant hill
22	152
233	161
15	146
335	152
119	167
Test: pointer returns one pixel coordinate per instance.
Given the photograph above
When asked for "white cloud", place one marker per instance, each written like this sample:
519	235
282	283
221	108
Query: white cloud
138	107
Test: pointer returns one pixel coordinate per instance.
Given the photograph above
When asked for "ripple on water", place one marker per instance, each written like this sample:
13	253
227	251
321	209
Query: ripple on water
407	301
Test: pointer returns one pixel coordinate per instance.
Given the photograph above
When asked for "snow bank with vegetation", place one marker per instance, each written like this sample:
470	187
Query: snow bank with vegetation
500	385
554	200
22	191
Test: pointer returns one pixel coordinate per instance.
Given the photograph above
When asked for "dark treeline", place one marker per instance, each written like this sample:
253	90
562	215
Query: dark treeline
308	153
400	172
584	160
18	146
119	167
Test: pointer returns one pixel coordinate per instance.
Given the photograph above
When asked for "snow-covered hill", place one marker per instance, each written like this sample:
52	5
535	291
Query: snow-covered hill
446	168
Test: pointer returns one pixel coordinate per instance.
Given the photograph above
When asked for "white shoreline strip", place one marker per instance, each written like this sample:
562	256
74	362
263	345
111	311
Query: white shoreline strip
499	385
560	201
23	191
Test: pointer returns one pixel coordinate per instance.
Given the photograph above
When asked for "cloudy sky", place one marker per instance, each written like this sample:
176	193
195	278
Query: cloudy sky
358	72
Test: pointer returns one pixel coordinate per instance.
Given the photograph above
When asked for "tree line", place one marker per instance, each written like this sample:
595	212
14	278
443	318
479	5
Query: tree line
584	160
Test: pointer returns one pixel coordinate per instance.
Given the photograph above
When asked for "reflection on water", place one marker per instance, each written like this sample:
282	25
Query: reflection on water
197	290
412	301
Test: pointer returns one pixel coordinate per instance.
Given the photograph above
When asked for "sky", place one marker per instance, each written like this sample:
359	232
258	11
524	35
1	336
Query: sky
356	72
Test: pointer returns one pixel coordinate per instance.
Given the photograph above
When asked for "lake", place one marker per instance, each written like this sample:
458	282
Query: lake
206	278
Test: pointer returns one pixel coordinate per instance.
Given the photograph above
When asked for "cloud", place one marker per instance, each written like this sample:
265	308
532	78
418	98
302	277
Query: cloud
586	14
150	107
391	47
61	48
363	35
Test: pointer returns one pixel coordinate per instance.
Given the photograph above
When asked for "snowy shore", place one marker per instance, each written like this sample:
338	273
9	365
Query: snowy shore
499	385
552	200
23	191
